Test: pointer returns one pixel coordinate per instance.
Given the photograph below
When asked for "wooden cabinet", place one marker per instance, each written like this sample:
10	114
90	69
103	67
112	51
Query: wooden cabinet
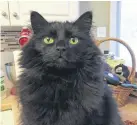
60	11
4	14
14	13
19	11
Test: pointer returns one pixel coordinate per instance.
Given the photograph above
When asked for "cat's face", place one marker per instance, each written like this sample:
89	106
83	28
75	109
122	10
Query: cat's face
61	45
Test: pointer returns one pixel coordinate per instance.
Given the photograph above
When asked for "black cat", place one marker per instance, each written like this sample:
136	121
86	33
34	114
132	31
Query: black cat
62	83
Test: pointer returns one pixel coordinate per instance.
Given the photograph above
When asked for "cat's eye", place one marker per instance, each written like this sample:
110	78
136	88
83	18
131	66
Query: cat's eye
73	41
48	40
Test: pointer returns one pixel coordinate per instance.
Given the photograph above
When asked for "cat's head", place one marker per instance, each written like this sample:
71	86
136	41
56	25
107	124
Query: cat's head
60	44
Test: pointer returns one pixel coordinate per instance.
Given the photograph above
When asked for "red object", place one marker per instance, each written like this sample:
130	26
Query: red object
13	91
25	36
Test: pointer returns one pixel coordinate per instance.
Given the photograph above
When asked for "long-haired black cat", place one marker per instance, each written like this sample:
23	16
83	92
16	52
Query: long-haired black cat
62	83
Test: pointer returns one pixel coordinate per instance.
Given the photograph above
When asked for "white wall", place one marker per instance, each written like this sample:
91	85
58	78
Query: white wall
101	17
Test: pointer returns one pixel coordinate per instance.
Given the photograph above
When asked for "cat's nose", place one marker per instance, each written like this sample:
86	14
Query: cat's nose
61	48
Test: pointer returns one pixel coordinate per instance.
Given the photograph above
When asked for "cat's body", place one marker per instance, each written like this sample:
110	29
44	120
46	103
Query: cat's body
62	83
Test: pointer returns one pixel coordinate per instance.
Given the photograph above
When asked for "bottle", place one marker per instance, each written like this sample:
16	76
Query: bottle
25	36
3	89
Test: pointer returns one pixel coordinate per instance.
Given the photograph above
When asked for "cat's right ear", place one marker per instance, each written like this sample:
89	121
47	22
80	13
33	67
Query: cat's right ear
84	22
37	22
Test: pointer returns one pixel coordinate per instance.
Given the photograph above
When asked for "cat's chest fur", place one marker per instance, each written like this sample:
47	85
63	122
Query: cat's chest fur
59	102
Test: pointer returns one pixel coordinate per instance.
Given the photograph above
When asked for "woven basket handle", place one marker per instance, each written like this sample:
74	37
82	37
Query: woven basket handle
132	74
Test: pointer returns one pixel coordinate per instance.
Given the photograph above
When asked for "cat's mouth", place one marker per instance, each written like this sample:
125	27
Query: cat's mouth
61	59
62	62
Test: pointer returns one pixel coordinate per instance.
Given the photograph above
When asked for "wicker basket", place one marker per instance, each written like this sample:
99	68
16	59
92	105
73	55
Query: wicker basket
121	94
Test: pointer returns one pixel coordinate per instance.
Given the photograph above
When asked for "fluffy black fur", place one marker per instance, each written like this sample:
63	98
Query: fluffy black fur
62	84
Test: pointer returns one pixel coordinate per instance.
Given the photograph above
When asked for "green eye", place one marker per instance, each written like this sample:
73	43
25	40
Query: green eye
48	40
73	41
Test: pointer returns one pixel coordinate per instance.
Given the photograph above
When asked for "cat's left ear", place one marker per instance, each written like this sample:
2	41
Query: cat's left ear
37	22
84	22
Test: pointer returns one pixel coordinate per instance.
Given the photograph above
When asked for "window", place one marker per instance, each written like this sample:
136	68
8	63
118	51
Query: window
128	29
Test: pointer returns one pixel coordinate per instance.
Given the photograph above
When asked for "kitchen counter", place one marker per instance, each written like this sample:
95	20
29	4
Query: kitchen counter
129	111
11	103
